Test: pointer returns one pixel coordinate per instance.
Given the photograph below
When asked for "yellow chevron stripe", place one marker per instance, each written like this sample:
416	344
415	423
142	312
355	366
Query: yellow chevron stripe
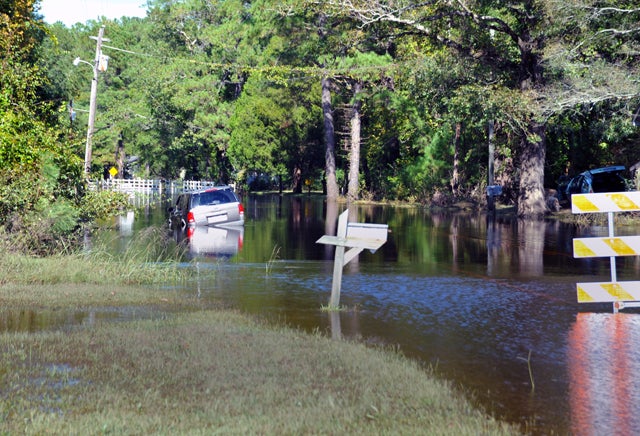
617	291
623	201
620	247
584	205
580	249
583	297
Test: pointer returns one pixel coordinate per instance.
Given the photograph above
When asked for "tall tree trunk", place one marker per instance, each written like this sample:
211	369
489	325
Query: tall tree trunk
297	180
531	202
120	157
491	165
354	156
330	141
455	177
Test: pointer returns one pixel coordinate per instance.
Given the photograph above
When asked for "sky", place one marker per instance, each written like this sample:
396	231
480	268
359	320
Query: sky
71	12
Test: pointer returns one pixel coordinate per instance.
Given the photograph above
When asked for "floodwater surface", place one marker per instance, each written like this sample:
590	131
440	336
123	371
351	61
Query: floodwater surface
489	302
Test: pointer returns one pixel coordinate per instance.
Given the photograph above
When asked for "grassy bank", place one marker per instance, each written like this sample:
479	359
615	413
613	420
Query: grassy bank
202	371
214	371
142	262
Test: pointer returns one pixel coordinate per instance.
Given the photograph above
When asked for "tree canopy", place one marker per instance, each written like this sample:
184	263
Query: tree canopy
232	91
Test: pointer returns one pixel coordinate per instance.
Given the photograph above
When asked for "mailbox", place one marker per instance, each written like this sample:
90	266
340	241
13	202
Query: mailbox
356	237
371	236
494	190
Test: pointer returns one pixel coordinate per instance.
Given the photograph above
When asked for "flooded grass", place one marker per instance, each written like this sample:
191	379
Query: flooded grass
77	295
143	262
95	277
217	371
92	279
198	371
74	282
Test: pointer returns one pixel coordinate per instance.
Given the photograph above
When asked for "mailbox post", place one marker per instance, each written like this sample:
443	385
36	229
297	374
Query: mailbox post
356	237
493	191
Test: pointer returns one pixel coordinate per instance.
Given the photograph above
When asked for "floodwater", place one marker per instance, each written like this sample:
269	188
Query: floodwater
489	302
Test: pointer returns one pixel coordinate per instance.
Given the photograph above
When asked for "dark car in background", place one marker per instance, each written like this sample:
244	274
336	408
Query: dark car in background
606	179
215	206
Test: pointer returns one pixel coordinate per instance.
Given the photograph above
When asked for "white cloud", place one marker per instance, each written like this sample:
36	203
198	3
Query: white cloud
71	12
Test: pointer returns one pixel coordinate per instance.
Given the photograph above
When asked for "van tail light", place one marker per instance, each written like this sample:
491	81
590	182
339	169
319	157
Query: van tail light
191	219
241	209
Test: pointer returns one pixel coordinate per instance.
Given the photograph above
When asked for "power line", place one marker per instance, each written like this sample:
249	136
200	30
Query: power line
279	70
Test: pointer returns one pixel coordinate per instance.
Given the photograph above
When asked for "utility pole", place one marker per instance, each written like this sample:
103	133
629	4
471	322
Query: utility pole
92	104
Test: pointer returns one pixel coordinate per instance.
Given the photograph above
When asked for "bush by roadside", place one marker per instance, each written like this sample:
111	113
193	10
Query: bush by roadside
57	225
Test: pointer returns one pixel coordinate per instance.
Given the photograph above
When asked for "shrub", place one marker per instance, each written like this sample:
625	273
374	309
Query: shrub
97	205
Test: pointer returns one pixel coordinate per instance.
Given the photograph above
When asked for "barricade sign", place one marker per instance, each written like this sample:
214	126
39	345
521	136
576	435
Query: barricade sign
606	247
606	202
621	294
608	292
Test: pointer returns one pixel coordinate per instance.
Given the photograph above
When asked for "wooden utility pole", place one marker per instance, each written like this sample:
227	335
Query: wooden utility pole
93	104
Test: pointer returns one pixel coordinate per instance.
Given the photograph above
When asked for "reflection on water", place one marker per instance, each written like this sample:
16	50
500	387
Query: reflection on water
28	320
212	242
469	294
125	222
603	365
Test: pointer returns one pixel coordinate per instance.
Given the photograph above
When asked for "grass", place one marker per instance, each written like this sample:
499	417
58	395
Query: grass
330	308
142	263
196	369
219	371
272	259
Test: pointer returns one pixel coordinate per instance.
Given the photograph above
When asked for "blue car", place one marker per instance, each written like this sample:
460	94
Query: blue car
606	179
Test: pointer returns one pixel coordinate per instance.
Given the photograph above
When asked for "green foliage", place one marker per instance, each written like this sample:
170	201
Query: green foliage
30	164
62	215
97	205
216	90
20	139
275	129
15	193
431	169
39	178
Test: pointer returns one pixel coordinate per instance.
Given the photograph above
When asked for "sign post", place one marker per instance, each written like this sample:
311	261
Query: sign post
356	237
621	294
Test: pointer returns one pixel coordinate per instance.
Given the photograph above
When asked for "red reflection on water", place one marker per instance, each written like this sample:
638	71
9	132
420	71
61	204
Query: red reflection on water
603	369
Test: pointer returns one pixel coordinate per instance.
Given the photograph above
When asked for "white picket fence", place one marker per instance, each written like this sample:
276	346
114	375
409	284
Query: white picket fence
149	186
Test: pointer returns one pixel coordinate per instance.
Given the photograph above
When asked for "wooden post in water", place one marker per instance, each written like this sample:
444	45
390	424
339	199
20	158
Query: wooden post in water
338	261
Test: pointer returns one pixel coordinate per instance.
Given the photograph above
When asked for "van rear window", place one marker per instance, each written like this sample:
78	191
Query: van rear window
212	198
